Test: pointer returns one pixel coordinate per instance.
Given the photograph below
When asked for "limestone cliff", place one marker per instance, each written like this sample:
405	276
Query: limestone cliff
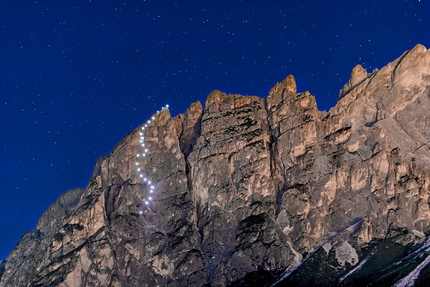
252	191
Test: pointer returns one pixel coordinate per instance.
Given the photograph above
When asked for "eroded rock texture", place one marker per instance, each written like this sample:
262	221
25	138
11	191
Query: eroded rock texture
253	191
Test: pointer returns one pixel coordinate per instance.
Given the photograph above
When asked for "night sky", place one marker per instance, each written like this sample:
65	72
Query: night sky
77	76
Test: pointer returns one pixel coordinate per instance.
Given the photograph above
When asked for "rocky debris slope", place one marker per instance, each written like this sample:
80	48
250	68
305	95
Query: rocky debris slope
263	190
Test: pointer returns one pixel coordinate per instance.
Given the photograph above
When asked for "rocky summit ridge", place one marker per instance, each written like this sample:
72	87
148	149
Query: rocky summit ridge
250	191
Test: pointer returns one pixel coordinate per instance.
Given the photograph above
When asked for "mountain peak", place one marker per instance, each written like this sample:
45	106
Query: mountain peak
288	85
251	190
358	75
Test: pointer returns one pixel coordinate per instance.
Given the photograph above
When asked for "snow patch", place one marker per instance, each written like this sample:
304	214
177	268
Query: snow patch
413	275
298	257
418	234
345	253
358	267
327	247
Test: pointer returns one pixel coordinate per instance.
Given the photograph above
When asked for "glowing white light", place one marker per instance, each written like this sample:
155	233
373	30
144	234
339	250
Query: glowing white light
145	151
167	106
140	212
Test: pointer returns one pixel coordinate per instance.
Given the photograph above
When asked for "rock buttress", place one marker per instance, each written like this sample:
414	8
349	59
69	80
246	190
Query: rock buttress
231	183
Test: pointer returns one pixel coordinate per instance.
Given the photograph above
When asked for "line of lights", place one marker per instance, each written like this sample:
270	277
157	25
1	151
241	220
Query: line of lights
143	153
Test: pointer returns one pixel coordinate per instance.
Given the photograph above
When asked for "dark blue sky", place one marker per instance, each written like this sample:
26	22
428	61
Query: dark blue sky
77	76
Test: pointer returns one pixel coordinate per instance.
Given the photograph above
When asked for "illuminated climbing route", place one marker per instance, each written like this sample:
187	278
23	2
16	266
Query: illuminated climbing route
143	152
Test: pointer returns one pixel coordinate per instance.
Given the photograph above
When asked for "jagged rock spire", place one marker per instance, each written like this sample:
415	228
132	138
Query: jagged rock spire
288	85
357	76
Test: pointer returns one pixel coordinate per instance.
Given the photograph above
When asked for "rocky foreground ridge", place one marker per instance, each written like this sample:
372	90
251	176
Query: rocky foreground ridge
252	191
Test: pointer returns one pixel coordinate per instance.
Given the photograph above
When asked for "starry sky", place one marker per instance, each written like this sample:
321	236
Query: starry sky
77	76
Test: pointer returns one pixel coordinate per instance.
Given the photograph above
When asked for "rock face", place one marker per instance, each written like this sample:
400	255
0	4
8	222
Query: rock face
2	267
252	191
